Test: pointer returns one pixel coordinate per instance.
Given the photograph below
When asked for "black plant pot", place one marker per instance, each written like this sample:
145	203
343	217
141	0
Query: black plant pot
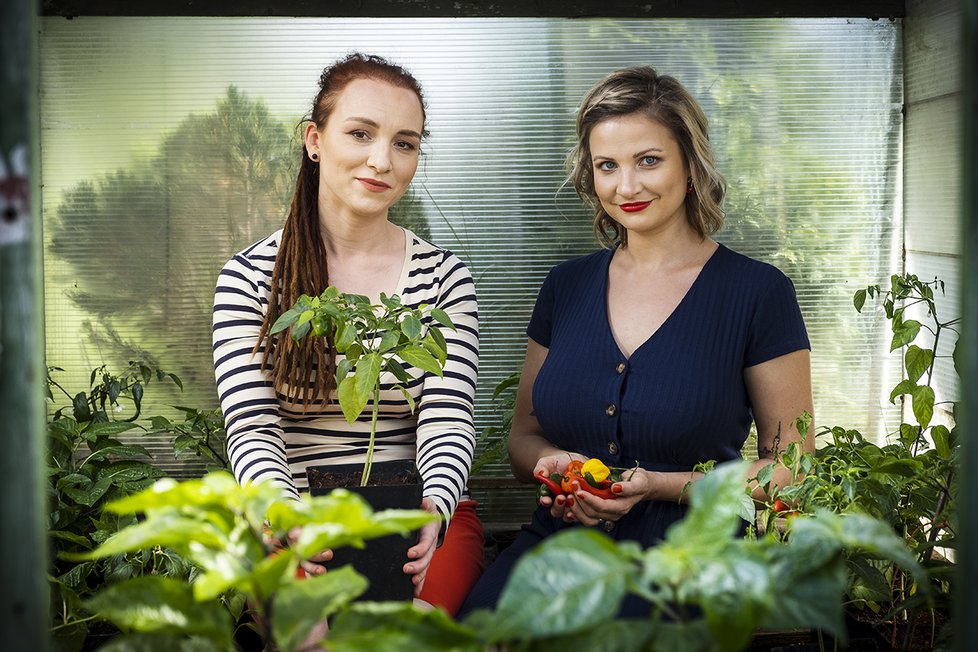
393	485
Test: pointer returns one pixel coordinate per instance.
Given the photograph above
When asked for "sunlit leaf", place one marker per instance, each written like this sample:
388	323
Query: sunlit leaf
300	606
411	326
918	361
418	357
923	404
396	626
573	581
350	401
160	604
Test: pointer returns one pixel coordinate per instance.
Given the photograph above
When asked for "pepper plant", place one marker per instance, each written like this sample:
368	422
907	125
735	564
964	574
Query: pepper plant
87	467
908	481
230	533
372	339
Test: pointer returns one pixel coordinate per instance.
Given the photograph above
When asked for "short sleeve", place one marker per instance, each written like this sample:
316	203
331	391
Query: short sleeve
777	327
541	321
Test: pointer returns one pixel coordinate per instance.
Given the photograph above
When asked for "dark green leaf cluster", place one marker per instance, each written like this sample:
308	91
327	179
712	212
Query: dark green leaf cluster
88	466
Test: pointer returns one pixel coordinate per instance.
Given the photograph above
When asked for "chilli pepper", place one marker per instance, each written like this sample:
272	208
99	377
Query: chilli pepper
554	488
600	492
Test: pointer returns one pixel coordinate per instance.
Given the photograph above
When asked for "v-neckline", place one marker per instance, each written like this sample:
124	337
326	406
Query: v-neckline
669	317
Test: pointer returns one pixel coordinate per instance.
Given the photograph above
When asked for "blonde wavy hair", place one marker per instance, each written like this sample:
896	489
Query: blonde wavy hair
641	90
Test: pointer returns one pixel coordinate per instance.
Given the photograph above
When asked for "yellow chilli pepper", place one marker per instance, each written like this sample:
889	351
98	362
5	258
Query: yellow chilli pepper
599	472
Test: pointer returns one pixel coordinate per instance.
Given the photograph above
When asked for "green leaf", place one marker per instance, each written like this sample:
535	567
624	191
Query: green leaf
110	429
300	606
345	335
368	377
735	592
155	642
152	603
408	398
923	404
394	627
399	372
342	369
436	350
389	341
918	360
716	504
115	388
300	330
905	386
176	380
859	299
942	440
572	582
168	529
442	318
904	333
80	407
340	518
286	319
350	401
411	326
418	357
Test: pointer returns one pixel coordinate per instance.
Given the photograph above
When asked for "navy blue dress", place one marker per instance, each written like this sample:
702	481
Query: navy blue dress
679	400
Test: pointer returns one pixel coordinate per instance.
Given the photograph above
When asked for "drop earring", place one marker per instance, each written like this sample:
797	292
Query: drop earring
689	186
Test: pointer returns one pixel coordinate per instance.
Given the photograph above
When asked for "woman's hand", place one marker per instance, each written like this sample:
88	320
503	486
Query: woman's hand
313	565
556	463
588	509
420	554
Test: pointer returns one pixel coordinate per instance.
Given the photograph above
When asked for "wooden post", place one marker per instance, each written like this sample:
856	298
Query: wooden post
23	556
966	604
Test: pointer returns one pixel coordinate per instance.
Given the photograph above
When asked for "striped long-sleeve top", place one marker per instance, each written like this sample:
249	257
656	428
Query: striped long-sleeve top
271	438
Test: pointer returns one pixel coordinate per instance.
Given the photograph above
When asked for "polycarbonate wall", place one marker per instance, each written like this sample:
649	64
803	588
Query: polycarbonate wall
166	147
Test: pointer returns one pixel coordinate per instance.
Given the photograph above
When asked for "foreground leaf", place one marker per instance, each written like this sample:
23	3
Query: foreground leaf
398	626
160	604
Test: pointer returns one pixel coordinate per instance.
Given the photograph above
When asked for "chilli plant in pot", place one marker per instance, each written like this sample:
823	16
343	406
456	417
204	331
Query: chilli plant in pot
908	481
372	344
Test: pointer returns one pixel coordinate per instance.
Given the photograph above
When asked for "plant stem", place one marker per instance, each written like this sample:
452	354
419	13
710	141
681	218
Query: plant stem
373	432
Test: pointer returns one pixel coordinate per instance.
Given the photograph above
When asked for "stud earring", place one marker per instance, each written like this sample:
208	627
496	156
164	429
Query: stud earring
315	157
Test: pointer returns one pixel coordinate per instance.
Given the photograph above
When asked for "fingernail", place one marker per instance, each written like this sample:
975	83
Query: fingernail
570	501
559	500
616	488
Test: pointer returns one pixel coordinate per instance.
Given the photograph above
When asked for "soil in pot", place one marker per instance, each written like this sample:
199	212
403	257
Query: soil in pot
393	485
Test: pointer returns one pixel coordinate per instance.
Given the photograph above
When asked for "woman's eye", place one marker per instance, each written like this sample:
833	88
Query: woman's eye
360	134
650	160
405	145
606	166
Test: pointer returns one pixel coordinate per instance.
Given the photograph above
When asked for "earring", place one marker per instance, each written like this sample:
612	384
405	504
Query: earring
689	186
315	157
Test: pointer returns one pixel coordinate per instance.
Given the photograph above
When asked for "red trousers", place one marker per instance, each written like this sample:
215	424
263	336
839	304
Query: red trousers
458	562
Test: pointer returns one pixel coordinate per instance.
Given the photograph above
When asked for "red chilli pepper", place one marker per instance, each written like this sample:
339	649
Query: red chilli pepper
554	488
607	494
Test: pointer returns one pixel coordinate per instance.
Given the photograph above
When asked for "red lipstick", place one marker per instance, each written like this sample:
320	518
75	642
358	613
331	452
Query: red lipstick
634	207
373	185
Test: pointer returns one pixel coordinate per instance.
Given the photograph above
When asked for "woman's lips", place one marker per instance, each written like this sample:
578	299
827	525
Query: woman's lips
373	185
634	207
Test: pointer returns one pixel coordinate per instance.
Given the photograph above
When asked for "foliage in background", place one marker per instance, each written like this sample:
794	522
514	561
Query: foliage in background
491	443
88	467
908	482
